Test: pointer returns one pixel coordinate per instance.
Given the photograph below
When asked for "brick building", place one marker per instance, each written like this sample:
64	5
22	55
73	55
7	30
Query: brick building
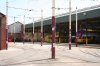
3	32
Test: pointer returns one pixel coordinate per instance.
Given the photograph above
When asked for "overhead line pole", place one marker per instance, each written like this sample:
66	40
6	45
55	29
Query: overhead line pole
70	36
7	24
33	26
14	30
53	30
24	30
76	21
41	27
76	26
33	30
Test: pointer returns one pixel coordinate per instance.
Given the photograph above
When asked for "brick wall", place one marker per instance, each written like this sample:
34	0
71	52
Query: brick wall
3	33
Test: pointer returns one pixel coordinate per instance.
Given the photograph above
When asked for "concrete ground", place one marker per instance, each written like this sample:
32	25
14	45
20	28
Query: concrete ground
29	54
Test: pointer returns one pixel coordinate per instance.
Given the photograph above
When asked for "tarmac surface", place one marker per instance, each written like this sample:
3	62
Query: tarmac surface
29	54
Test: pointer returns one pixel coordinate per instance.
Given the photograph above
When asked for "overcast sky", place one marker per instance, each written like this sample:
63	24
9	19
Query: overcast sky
37	5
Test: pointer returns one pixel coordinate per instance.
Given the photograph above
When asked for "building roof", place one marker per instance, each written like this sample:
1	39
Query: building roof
86	13
15	23
1	14
15	27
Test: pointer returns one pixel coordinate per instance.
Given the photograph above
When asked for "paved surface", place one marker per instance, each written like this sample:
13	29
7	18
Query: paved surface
37	55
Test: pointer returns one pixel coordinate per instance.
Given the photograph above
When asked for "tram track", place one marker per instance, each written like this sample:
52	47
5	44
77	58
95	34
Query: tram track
84	61
75	56
89	53
33	60
16	57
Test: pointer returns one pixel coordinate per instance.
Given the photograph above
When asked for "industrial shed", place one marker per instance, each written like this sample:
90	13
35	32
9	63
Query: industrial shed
89	17
15	32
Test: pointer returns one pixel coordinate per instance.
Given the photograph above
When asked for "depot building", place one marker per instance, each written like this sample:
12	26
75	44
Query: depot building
88	26
88	21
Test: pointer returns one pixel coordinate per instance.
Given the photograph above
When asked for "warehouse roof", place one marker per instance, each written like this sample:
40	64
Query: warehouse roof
86	13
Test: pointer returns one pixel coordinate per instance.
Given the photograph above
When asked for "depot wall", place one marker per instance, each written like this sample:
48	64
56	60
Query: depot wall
3	32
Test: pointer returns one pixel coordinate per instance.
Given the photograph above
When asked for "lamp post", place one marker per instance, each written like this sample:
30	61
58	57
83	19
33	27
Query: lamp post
53	30
70	25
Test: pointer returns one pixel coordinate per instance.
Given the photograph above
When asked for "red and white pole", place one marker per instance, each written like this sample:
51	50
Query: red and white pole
41	27
53	30
70	38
